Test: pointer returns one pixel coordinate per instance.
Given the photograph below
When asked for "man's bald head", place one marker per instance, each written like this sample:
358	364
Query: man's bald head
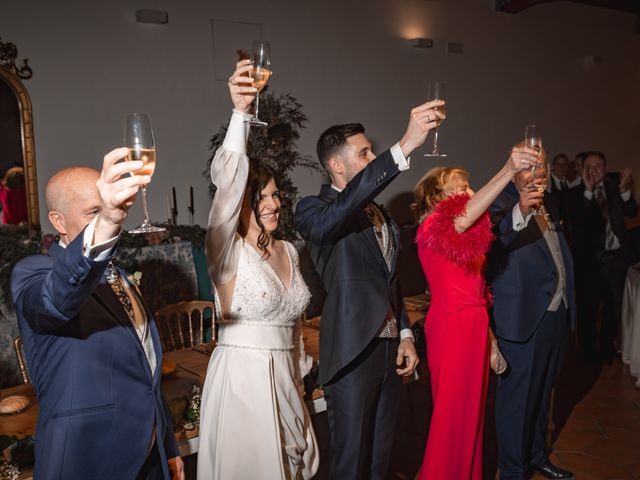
72	200
64	185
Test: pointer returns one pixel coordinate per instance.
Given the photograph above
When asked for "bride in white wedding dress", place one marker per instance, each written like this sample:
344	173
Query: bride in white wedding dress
253	420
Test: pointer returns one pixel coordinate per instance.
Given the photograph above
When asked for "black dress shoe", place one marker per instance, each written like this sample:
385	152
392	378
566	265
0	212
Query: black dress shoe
549	470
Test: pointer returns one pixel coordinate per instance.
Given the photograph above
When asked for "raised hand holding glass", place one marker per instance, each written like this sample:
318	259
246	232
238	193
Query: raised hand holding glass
261	61
138	138
437	91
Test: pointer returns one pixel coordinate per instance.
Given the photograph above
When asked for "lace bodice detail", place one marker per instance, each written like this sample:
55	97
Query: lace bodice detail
260	298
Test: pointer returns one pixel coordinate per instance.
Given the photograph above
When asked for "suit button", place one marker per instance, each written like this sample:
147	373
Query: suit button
73	281
80	270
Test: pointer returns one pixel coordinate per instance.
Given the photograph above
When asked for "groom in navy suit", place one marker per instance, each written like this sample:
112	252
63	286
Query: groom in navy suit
531	271
92	346
365	341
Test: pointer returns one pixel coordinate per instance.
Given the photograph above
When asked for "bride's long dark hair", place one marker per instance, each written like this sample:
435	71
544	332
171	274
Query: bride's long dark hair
259	175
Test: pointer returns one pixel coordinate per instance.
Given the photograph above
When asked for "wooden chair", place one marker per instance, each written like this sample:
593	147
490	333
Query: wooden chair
183	325
22	364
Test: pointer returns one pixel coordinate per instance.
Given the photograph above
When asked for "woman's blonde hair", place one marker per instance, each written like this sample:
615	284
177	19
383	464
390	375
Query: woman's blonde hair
434	186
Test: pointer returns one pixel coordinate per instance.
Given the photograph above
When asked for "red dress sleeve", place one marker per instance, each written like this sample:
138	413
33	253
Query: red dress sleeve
438	233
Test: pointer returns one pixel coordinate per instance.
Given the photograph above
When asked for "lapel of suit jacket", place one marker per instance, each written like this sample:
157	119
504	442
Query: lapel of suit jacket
155	336
531	234
393	228
370	240
105	296
329	194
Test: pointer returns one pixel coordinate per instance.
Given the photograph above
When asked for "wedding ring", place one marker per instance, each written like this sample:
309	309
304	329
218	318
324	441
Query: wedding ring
428	118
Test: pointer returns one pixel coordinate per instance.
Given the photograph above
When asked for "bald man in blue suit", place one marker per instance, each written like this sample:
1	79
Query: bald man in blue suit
95	360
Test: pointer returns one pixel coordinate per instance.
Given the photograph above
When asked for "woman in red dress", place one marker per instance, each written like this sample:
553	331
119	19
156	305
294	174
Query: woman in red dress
452	239
13	197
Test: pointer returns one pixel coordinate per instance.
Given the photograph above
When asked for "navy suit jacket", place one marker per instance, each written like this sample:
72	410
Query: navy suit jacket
98	399
589	224
521	269
360	289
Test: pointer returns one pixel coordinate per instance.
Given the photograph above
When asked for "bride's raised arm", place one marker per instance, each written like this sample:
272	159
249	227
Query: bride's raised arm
229	171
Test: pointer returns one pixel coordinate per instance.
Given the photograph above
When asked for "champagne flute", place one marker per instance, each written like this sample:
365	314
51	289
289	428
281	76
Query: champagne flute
437	91
261	71
540	169
533	140
138	138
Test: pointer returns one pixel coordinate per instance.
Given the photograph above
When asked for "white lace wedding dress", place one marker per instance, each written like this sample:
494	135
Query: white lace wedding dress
253	420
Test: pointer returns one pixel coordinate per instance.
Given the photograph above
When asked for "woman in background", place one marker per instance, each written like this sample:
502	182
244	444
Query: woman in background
452	239
253	420
13	197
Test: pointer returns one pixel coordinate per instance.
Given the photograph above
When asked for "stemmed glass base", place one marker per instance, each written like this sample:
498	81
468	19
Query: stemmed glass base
256	121
146	226
436	152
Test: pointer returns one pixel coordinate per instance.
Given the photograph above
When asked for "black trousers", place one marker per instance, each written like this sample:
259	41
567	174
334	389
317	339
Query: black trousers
598	283
362	403
524	394
152	468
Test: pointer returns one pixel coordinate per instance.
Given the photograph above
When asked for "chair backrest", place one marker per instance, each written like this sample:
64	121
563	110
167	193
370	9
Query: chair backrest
184	324
22	364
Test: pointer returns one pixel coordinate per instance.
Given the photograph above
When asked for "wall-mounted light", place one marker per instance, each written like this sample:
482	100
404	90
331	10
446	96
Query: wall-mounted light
420	42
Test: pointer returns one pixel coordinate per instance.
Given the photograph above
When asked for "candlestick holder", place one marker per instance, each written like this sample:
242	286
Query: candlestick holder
191	211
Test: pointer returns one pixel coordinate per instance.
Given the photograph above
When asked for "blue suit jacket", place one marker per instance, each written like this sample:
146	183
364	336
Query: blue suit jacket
98	399
360	289
522	271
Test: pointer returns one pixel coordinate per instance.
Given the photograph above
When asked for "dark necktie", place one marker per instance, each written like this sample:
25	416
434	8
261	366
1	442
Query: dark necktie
563	185
115	281
609	237
601	200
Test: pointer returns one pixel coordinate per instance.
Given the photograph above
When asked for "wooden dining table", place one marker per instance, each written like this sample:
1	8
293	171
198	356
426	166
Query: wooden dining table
23	424
190	368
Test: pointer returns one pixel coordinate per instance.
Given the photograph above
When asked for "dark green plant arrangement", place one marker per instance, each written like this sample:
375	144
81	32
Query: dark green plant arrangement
19	242
129	245
275	145
15	244
21	456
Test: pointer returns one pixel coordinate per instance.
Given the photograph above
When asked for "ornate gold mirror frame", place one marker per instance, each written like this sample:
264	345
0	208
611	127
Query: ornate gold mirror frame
13	76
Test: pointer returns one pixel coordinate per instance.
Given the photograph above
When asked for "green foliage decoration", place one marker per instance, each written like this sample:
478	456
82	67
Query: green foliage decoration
276	146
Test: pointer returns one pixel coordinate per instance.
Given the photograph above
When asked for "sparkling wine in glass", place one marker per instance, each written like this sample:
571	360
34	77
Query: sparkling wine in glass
533	140
540	170
261	71
138	138
437	91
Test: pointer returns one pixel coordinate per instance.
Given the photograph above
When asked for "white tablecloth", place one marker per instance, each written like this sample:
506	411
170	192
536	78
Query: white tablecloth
631	322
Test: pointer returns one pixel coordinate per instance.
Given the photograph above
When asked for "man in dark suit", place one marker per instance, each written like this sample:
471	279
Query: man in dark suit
92	346
603	249
365	341
531	272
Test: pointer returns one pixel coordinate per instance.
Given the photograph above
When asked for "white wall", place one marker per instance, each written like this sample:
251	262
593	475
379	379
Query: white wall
345	61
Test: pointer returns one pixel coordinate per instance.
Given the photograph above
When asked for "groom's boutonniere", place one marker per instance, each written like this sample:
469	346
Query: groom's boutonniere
135	278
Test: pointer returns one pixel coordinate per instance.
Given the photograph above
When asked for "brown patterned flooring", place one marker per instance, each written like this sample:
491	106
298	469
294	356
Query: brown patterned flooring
596	415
